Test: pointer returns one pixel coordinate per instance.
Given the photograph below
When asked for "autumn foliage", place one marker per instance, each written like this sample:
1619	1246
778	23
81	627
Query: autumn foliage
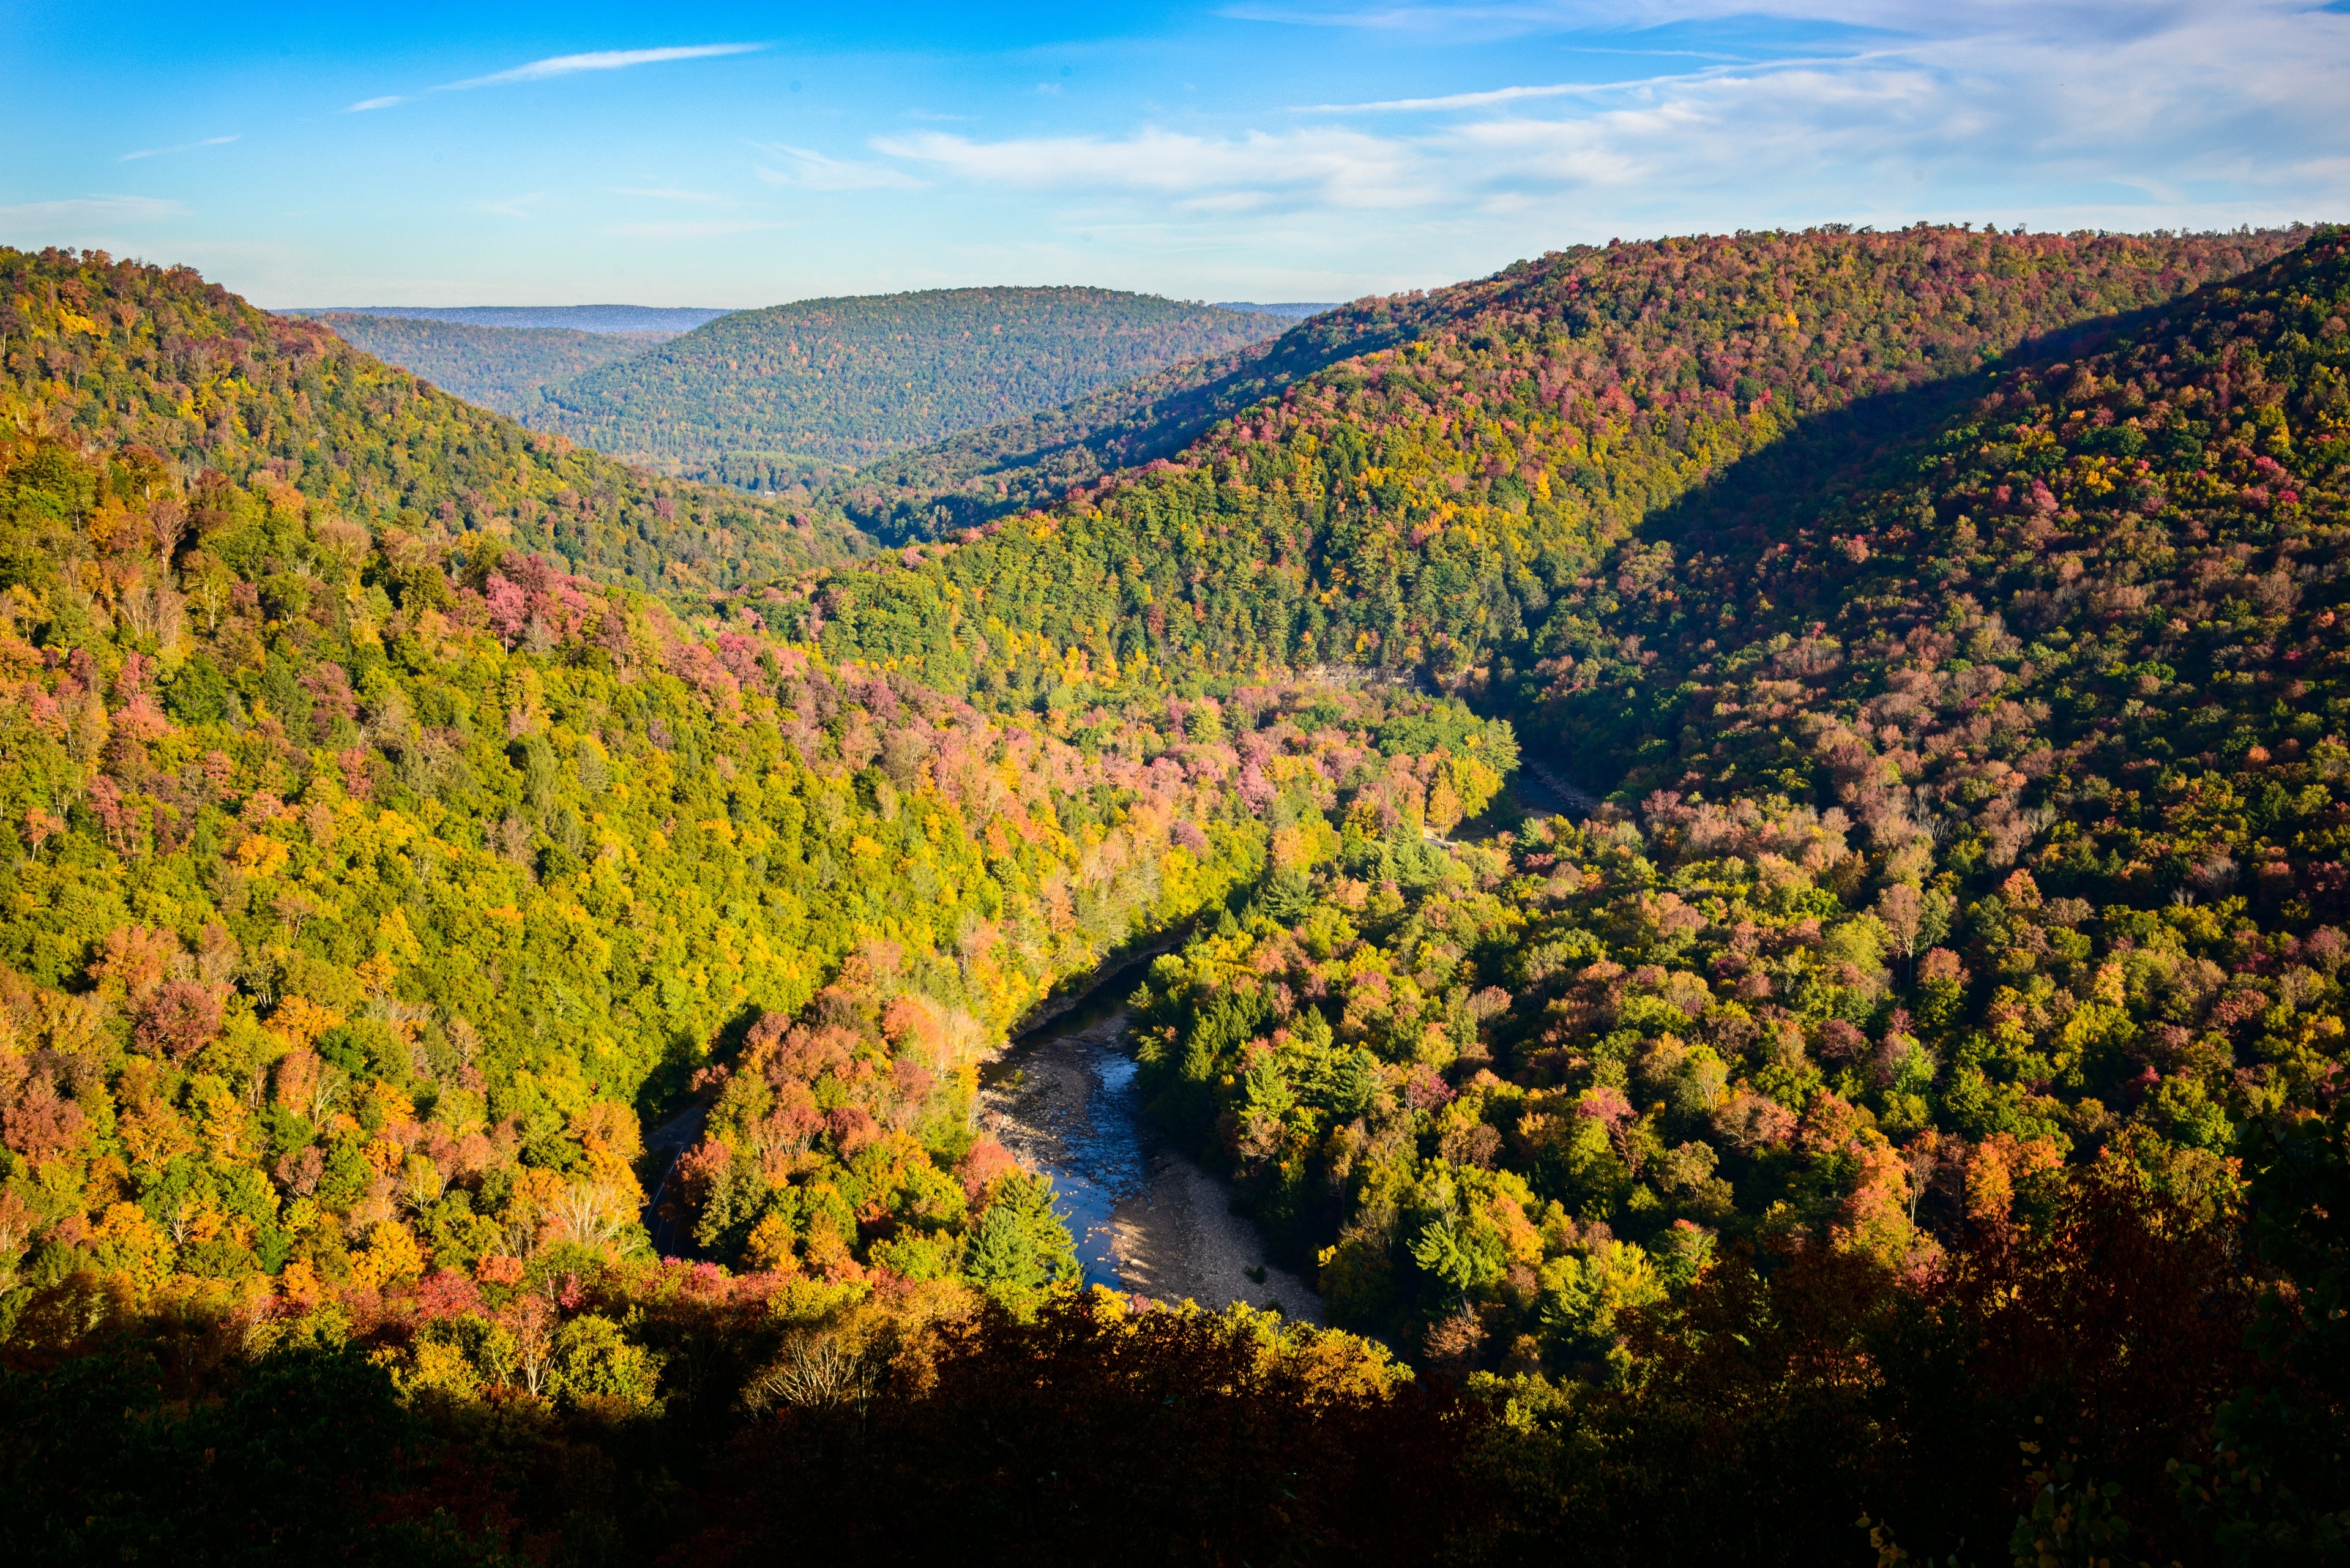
1898	1111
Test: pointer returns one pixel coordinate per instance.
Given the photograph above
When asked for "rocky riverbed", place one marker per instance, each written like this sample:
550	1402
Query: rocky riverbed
1149	1221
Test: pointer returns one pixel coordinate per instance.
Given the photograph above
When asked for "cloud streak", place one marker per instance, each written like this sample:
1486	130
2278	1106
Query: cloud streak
2171	114
711	229
78	210
600	60
1341	167
183	146
1492	96
810	170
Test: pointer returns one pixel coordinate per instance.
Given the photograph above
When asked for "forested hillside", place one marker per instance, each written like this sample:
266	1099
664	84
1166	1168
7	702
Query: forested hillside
1025	464
122	356
1418	508
1971	906
848	379
1907	1117
503	369
370	886
392	851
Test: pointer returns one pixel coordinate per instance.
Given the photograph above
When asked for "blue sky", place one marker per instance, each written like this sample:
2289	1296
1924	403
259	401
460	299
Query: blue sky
1260	150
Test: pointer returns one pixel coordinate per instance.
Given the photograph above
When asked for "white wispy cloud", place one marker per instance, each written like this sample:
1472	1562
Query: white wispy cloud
513	206
183	146
688	229
810	170
366	104
1982	109
1481	18
1491	96
84	212
599	60
1448	101
1338	166
664	194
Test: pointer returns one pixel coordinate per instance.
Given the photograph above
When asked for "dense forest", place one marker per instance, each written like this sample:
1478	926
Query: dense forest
1418	508
114	355
504	368
1904	1120
490	356
845	380
1021	464
1956	658
925	492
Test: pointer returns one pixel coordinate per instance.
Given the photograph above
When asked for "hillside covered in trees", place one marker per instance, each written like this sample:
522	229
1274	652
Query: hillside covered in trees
127	356
372	883
1025	463
503	369
847	381
1956	658
1418	506
488	355
1914	1096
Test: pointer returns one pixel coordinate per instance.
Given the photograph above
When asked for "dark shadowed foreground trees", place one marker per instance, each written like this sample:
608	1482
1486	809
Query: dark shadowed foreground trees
1754	1422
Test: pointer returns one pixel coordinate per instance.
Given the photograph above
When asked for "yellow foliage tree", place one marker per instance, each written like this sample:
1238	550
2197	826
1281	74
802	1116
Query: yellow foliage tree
125	1242
299	1021
392	1257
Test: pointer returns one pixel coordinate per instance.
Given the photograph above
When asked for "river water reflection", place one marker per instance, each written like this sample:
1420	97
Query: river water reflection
1065	1100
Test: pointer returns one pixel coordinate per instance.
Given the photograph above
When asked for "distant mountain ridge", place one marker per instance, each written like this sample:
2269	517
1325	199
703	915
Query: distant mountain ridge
849	379
601	318
1544	412
1299	309
1019	463
966	477
506	368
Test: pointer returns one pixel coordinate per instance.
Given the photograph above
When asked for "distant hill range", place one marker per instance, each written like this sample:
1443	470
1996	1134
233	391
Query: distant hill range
670	320
851	380
961	404
503	367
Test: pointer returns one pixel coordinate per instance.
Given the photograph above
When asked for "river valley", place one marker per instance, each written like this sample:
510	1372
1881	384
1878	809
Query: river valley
1149	1220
